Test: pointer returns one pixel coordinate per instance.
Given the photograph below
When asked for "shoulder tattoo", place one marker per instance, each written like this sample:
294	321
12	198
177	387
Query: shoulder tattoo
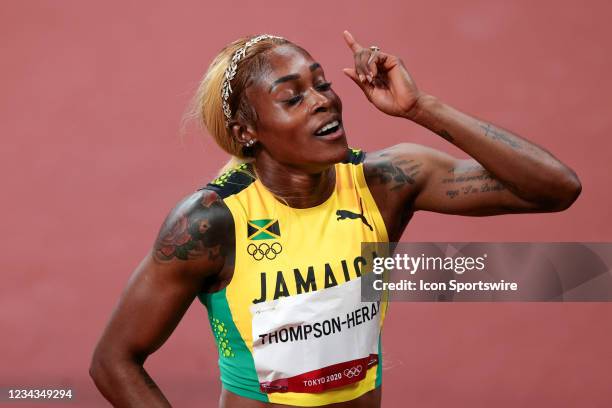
199	226
393	172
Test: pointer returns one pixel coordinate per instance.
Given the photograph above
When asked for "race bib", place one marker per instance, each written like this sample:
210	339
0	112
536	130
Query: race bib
315	341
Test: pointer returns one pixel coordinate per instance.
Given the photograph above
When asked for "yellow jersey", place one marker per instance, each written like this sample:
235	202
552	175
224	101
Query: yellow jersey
290	326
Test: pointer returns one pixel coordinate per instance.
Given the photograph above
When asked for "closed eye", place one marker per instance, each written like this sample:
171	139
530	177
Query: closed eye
294	100
322	87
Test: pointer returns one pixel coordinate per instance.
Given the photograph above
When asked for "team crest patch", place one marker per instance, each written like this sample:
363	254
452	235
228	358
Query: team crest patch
263	229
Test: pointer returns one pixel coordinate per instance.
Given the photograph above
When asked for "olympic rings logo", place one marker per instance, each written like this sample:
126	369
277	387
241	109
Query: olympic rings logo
352	372
264	250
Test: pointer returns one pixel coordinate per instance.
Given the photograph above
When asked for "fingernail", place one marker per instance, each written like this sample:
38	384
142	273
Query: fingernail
370	78
361	77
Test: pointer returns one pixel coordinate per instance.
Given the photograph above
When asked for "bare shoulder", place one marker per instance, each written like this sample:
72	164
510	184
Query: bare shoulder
399	168
188	257
395	175
197	232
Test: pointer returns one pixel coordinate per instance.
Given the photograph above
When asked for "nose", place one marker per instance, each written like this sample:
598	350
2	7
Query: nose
319	101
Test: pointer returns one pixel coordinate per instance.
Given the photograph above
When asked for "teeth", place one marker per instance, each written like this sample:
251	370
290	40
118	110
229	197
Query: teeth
328	126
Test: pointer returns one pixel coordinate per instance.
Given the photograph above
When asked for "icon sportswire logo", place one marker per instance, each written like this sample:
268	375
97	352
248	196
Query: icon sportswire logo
263	229
349	215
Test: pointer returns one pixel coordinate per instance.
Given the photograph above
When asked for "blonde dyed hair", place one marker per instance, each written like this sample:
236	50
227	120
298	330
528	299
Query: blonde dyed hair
207	105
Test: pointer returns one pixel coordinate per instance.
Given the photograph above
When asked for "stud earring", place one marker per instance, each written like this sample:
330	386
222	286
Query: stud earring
250	142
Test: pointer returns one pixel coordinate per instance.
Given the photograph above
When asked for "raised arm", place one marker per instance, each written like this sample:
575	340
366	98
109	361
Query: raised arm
507	174
421	178
189	255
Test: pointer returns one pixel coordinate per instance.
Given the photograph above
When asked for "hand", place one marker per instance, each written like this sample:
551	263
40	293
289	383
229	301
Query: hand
384	80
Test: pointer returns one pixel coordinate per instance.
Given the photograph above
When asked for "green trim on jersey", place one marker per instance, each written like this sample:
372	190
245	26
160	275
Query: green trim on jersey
234	356
380	363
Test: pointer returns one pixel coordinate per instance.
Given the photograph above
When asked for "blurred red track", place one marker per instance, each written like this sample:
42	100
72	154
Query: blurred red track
92	96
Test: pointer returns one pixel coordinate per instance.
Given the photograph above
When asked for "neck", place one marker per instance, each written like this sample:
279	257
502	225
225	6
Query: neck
300	188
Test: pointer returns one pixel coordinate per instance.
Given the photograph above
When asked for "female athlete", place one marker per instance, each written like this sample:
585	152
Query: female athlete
272	246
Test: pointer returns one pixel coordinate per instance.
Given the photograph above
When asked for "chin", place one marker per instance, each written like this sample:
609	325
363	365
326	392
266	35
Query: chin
332	153
342	152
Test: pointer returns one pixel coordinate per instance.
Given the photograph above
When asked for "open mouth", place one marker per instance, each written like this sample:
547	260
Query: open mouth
328	129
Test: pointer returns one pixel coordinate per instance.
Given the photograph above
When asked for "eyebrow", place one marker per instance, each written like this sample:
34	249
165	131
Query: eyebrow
292	77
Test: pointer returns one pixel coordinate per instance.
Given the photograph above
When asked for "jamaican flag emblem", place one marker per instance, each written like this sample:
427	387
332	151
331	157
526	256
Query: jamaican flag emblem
263	229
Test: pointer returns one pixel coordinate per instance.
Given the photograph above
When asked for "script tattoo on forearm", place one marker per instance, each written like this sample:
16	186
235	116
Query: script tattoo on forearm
471	180
395	173
463	175
473	189
199	227
497	134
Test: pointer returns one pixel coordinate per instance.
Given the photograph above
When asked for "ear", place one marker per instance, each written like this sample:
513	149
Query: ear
242	133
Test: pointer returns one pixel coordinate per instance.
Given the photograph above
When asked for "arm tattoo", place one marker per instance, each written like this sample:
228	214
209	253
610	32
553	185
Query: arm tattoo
200	226
395	173
472	180
466	176
497	134
481	188
465	169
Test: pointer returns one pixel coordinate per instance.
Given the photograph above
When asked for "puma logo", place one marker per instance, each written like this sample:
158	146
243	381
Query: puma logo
349	215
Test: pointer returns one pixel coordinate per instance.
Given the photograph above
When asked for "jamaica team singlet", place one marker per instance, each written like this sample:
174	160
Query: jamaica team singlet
290	326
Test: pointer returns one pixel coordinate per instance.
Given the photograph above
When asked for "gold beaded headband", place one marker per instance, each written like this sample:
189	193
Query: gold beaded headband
230	73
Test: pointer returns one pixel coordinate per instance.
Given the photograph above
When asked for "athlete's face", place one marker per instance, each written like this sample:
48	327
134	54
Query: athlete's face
294	101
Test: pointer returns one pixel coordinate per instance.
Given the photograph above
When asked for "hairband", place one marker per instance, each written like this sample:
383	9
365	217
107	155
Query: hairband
230	73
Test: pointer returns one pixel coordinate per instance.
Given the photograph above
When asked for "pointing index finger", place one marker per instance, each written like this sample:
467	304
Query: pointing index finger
350	41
